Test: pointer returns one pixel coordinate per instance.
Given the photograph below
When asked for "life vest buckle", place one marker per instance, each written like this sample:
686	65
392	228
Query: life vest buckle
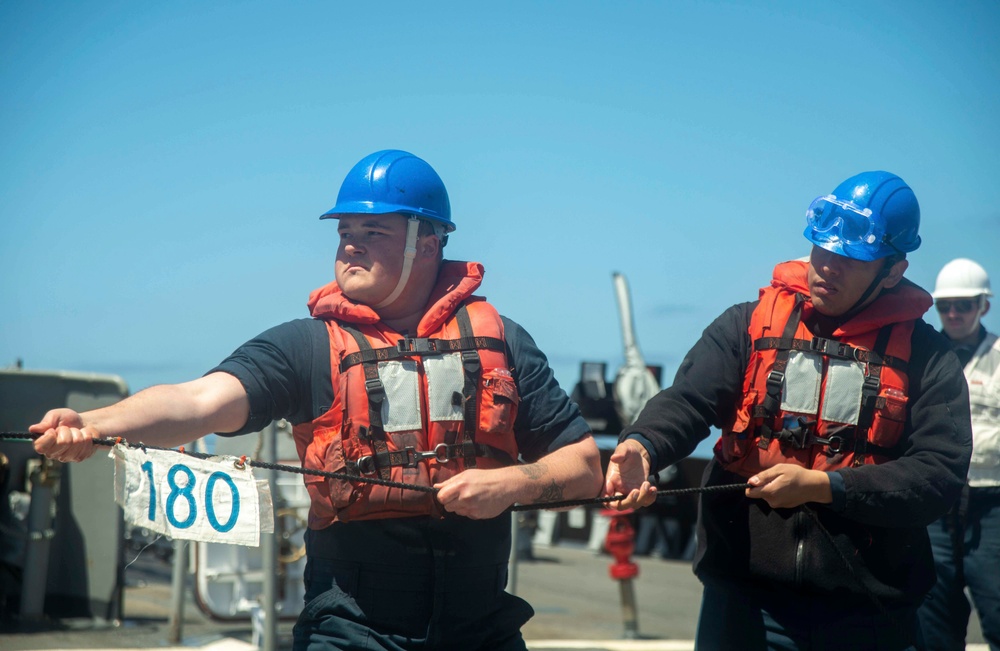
774	382
417	345
470	361
375	390
835	444
833	348
366	465
441	453
796	437
414	456
766	433
797	432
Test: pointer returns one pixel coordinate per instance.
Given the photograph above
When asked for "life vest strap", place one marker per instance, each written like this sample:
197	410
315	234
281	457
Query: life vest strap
410	347
803	436
411	457
473	367
759	412
830	348
375	390
775	379
869	395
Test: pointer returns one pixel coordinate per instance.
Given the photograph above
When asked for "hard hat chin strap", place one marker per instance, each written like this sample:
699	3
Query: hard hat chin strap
860	303
409	253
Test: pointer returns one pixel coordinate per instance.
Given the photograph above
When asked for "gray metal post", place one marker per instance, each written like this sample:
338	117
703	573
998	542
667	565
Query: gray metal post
512	564
44	480
269	550
630	614
178	587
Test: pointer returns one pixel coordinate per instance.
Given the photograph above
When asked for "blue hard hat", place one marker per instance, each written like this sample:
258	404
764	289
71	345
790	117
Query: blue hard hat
392	181
869	216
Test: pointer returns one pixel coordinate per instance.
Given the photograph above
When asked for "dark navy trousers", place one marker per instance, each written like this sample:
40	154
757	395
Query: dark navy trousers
966	547
740	617
371	609
410	585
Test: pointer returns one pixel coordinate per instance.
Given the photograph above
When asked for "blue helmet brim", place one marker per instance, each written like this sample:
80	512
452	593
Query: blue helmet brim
371	208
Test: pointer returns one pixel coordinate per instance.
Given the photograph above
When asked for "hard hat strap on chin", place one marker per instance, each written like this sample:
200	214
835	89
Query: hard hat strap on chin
860	303
409	253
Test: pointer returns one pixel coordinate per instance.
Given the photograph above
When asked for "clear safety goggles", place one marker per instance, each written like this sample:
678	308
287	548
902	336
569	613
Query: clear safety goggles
842	220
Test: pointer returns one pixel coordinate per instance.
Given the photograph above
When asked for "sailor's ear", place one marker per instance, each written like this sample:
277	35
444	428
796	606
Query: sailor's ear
895	274
429	246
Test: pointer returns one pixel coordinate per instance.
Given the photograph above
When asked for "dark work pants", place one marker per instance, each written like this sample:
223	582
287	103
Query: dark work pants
972	560
367	607
745	618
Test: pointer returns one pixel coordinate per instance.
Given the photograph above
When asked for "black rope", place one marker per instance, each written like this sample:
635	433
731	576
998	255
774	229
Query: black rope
615	498
110	442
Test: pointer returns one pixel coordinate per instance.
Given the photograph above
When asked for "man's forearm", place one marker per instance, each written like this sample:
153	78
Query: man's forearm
569	473
174	414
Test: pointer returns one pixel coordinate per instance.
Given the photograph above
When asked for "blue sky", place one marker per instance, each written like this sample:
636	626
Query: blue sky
163	165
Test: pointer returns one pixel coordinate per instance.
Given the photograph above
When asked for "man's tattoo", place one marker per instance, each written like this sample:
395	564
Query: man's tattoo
551	493
533	470
554	493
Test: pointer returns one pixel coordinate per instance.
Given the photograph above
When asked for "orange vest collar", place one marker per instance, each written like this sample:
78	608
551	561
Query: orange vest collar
904	302
456	282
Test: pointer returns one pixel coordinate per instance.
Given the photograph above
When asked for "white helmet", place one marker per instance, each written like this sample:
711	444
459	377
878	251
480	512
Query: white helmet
962	278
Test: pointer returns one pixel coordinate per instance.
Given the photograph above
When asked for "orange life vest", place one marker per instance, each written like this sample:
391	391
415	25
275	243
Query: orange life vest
816	402
415	410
